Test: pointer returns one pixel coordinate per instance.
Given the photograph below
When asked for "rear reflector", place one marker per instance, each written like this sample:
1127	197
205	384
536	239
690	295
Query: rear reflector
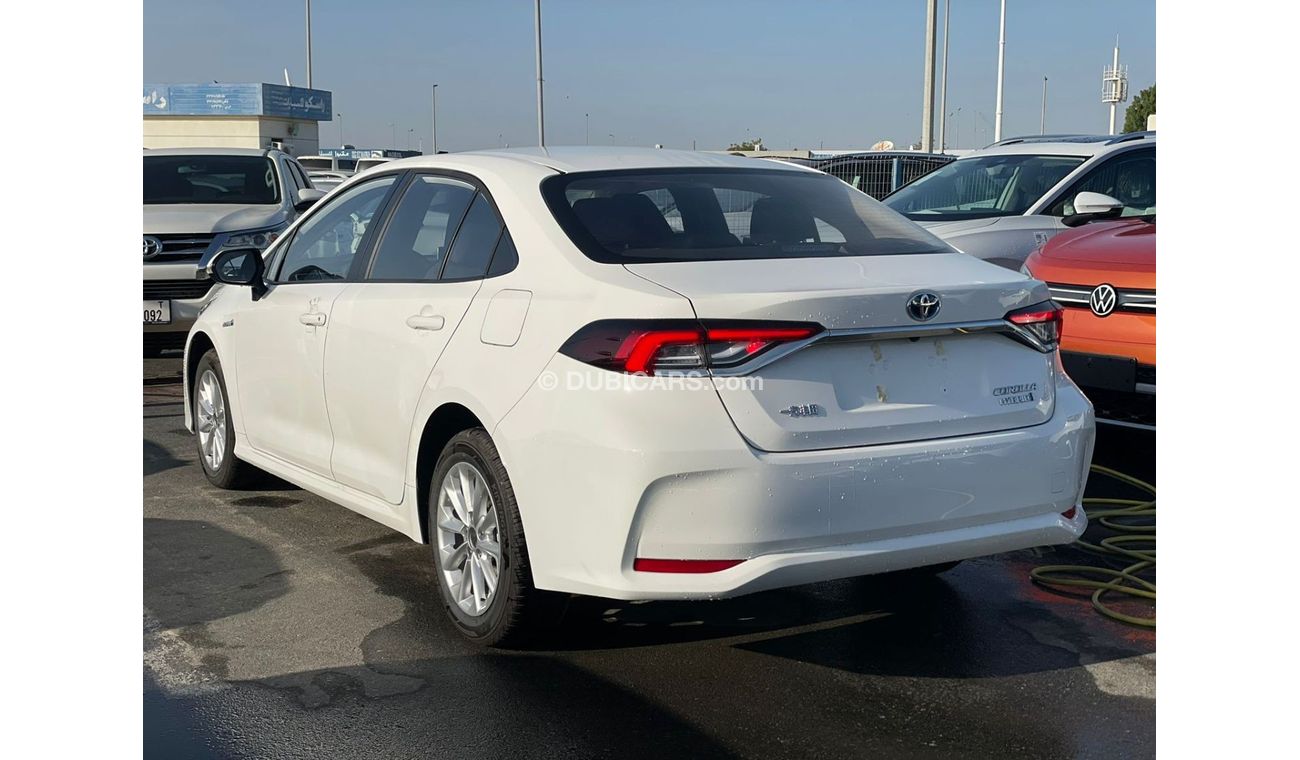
1070	513
683	565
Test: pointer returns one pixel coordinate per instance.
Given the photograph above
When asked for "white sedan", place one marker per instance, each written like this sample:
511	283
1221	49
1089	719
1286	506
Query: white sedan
639	374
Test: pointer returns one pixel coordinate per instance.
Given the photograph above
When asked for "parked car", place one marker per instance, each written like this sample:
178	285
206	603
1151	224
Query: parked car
198	202
879	173
1005	201
328	164
323	180
569	370
369	163
1104	275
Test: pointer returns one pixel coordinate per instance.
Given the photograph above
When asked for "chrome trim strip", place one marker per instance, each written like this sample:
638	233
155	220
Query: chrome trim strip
1118	423
857	334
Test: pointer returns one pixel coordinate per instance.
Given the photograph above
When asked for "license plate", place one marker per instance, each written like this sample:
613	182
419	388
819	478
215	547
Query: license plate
1112	373
157	312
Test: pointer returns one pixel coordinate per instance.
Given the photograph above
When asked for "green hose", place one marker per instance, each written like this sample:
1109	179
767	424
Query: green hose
1134	524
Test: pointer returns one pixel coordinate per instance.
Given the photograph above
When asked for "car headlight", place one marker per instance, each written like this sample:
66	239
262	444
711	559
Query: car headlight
258	239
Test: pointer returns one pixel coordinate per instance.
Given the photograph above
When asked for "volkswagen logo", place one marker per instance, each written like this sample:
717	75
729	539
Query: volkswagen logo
1103	299
152	246
923	306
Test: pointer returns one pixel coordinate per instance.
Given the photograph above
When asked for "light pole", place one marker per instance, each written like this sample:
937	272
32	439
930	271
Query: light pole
541	117
1002	53
956	127
409	132
587	139
433	146
1042	120
339	116
927	106
308	44
943	81
612	141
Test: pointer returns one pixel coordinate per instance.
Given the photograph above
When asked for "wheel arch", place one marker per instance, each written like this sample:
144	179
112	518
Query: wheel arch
444	422
199	344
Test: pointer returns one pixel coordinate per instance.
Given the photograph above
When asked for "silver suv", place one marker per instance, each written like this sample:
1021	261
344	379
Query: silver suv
1004	202
198	201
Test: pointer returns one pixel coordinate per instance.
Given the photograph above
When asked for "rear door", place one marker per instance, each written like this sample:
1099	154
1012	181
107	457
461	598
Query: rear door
389	331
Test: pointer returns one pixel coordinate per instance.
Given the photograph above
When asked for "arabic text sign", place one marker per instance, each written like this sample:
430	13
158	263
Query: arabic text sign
241	99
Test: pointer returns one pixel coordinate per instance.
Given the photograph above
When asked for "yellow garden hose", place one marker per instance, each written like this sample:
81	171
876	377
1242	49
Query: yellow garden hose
1133	522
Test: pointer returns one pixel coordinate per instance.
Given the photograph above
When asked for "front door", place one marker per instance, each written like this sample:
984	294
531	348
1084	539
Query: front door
281	337
390	330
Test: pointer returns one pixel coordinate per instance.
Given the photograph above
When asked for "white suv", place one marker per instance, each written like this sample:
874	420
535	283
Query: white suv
639	374
197	202
1004	202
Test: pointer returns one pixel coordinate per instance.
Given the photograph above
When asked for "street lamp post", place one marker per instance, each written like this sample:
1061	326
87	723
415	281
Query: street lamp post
541	117
409	132
433	147
339	116
1002	54
308	44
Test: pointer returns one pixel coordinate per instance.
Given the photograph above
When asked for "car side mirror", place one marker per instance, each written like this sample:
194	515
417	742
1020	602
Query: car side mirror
1089	206
307	198
240	266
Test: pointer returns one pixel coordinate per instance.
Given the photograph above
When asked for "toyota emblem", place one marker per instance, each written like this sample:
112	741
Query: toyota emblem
923	306
1102	300
152	246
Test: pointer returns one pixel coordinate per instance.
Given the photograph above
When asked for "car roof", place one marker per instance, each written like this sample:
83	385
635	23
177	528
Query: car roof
581	158
209	152
1067	145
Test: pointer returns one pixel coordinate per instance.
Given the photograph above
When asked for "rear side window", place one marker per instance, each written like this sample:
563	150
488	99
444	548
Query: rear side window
477	239
506	258
631	216
417	238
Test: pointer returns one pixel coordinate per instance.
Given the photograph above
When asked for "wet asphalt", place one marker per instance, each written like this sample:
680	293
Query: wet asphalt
279	625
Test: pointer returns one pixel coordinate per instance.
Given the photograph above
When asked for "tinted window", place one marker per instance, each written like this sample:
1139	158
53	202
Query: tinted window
324	246
302	179
1130	179
472	251
506	257
983	186
210	179
709	214
421	228
347	164
317	162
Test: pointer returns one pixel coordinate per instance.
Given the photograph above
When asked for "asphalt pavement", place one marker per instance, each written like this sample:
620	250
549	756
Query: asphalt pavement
279	625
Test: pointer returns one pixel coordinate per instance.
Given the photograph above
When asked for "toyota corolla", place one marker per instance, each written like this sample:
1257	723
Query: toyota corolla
639	374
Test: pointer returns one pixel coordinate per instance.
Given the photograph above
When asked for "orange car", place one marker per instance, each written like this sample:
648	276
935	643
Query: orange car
1103	274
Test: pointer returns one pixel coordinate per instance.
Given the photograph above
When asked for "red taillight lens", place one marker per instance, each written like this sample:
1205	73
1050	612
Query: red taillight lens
1042	320
659	346
683	565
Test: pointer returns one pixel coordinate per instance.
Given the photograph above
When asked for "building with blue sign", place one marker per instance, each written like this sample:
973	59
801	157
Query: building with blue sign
239	115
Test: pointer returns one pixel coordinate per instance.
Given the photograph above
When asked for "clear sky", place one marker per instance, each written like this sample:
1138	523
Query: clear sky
838	73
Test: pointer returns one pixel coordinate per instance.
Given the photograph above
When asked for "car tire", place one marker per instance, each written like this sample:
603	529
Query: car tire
214	430
475	534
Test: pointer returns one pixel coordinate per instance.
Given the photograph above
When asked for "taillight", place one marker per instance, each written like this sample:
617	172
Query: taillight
1042	321
663	346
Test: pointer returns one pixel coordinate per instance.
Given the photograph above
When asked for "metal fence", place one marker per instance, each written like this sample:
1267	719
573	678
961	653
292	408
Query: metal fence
880	173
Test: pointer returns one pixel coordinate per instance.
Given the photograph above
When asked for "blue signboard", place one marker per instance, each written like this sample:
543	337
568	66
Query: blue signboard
240	99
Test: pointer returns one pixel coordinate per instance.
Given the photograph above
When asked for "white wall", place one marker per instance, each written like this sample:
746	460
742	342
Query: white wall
231	132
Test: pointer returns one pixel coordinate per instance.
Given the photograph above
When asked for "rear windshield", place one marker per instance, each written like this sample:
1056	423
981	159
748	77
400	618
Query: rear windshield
347	164
638	216
210	179
982	186
316	162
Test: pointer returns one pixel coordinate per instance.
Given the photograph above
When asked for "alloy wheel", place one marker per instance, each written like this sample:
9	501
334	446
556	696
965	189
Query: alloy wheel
211	412
469	544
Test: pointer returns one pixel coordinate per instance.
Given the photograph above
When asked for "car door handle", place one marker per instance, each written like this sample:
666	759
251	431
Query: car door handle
425	322
314	318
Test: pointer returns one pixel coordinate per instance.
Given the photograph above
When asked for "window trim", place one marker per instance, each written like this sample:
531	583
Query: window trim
367	239
480	189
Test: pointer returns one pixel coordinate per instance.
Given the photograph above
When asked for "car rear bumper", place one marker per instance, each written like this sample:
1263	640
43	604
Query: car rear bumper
606	477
